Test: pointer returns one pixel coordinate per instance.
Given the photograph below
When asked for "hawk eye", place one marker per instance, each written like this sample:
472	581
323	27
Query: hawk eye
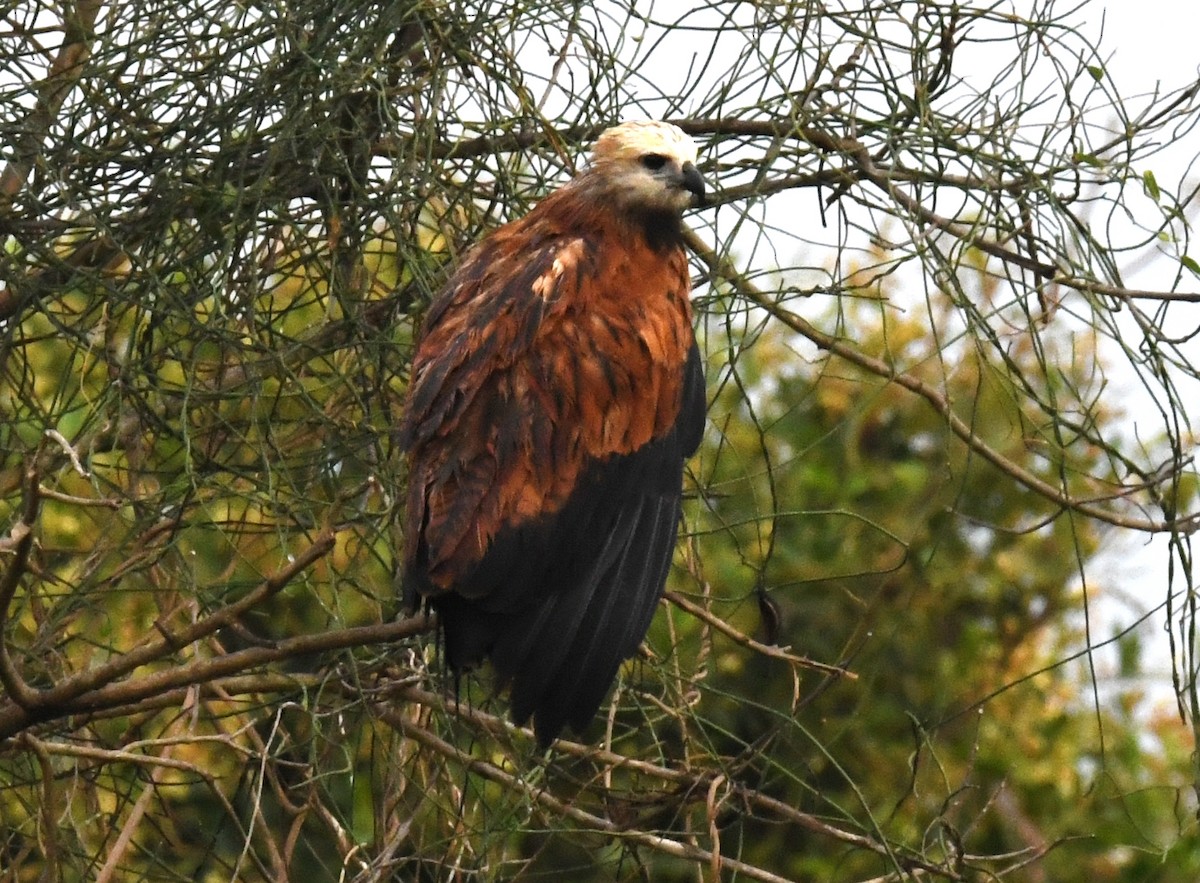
654	161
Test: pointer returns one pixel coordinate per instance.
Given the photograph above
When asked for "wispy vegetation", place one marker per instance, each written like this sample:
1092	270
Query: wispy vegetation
887	651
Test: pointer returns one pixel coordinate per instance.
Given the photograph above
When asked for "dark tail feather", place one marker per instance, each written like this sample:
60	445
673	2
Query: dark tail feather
550	654
633	594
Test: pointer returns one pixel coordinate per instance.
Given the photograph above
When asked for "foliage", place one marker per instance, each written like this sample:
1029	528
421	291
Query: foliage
888	649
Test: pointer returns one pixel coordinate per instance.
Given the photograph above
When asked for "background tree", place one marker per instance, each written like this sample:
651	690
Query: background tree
887	650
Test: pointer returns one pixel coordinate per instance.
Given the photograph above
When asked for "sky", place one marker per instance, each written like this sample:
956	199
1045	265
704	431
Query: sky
1151	40
1149	45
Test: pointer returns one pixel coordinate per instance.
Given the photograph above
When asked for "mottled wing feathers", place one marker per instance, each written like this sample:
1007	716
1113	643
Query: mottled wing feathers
548	350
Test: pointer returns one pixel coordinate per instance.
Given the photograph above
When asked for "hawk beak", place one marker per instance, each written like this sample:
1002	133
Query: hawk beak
691	181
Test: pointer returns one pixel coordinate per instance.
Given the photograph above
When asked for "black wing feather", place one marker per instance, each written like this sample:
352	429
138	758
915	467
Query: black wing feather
560	602
624	619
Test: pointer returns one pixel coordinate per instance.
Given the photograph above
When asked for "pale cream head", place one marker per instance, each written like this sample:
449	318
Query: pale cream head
647	165
631	141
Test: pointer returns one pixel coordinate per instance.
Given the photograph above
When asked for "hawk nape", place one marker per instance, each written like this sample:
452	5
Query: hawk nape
556	392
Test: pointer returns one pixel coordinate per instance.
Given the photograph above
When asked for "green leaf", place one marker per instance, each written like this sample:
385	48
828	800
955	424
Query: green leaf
1151	185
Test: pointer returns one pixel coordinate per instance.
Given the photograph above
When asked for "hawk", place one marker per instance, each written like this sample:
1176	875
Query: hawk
556	393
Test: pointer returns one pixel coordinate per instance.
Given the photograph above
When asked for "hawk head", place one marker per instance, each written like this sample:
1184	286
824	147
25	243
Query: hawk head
646	166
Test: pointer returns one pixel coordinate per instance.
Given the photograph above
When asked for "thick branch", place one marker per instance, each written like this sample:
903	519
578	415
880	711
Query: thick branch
65	71
19	542
51	702
168	682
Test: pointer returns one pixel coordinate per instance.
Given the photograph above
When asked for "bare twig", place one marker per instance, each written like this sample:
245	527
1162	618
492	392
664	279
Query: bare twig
746	641
18	543
961	428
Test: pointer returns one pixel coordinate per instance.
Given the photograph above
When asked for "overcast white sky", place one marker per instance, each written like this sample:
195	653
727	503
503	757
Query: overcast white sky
1149	45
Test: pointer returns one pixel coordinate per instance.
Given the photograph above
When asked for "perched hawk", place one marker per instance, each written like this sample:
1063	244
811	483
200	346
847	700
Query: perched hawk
555	394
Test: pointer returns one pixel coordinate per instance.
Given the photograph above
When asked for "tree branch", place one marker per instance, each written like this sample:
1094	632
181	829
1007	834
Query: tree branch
18	543
169	682
725	270
65	71
60	699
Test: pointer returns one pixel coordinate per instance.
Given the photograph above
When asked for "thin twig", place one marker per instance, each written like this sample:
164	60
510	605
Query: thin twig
940	402
746	641
19	542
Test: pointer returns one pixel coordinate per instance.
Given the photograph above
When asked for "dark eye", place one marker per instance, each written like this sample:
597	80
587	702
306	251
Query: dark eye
654	161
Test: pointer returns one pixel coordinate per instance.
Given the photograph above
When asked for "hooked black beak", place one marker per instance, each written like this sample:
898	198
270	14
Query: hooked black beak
691	181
